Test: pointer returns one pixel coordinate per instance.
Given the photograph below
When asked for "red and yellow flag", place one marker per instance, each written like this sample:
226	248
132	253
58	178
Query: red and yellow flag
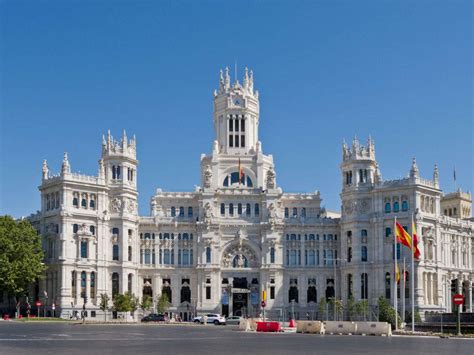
398	274
416	251
402	235
241	172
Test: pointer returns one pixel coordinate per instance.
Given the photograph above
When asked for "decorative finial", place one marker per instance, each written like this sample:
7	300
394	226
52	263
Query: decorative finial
414	169
45	170
227	78
436	175
65	167
101	169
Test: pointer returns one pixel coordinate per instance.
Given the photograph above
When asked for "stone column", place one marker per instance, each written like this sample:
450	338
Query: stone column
469	297
88	286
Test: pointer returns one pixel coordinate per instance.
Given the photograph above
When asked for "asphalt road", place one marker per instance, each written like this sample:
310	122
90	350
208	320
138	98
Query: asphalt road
60	338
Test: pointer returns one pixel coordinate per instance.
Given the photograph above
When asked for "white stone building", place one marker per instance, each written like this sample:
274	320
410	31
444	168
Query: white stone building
218	247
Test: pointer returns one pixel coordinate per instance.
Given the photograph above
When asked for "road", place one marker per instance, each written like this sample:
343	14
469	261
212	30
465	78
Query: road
66	338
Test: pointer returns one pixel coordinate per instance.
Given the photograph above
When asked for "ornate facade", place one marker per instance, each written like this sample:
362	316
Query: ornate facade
218	247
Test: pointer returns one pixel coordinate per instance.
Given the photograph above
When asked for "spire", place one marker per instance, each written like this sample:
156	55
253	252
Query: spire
227	78
246	79
65	167
124	140
436	176
45	170
109	139
378	174
221	81
414	169
101	169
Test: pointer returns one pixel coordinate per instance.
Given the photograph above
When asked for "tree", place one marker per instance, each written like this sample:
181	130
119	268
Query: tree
322	307
387	313
362	309
146	303
104	304
337	306
122	303
163	303
351	307
21	257
133	300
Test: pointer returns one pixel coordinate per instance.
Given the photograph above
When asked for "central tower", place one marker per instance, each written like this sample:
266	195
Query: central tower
236	115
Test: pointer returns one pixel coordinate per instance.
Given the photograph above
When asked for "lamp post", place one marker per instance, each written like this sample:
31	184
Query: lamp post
366	287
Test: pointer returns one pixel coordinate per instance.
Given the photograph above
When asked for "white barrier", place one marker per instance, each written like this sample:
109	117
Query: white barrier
345	328
374	328
248	324
313	327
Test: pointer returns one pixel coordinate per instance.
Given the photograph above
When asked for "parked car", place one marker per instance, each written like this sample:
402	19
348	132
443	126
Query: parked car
155	318
233	320
212	318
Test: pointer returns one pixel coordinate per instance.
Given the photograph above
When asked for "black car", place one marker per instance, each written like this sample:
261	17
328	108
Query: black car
154	318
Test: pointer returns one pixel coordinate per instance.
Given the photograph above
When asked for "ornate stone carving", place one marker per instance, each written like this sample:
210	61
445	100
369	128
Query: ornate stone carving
116	205
132	206
271	178
208	213
240	253
207	176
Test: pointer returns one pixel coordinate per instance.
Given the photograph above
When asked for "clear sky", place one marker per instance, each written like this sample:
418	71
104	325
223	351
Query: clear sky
326	70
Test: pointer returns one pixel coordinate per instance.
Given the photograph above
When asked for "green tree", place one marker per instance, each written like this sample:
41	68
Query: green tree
104	304
362	309
146	303
133	300
163	303
122	303
21	257
337	307
351	307
387	313
322	308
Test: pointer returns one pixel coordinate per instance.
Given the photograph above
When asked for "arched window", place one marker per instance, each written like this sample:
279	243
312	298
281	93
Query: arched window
92	285
222	209
208	255
303	212
190	211
363	233
173	211
272	255
388	208
167	257
363	253
185	294
115	284
83	284
388	292
364	286
231	209
84	201
287	212
92	229
311	294
115	252
73	284
349	254
115	231
129	253
396	206
130	282
167	291
404	206
84	249
239	209
118	172
293	294
295	212
92	202
75	200
257	209
248	210
240	261
181	211
75	228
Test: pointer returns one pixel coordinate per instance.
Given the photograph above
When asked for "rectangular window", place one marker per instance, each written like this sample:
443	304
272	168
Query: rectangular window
231	140
236	140
364	253
272	292
208	292
83	249
236	125
231	125
242	141
272	255
242	126
208	255
115	252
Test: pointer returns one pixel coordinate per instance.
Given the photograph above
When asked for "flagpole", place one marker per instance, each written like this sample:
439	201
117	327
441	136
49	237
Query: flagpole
413	276
403	290
395	294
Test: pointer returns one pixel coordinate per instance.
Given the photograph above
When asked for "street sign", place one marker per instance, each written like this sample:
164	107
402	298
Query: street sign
263	304
458	299
38	303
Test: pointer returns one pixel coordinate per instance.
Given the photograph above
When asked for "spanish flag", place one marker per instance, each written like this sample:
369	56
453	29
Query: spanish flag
416	251
398	274
241	173
402	235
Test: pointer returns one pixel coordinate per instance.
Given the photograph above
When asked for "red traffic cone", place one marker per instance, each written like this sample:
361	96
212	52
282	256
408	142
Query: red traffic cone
292	323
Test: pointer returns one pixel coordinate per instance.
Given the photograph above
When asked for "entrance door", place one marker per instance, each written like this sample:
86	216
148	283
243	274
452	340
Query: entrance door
240	304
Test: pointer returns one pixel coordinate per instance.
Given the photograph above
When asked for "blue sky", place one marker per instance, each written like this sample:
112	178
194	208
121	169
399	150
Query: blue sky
326	70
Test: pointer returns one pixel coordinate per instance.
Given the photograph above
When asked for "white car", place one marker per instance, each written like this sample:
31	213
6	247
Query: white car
212	318
233	320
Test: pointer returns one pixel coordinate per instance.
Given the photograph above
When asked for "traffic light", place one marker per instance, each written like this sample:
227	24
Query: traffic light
264	295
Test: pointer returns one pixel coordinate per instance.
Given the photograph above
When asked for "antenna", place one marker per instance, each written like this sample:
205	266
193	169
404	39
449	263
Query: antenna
235	71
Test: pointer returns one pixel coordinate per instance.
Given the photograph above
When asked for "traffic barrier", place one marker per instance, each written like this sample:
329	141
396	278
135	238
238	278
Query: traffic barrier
374	328
313	327
252	323
244	324
345	328
268	327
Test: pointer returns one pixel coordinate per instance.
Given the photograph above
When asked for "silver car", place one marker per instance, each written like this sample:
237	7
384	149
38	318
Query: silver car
233	320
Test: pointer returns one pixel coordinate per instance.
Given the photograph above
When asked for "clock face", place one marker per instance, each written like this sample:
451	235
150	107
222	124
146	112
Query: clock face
237	102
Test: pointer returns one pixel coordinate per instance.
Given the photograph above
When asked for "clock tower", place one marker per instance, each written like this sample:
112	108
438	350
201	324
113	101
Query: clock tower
236	115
